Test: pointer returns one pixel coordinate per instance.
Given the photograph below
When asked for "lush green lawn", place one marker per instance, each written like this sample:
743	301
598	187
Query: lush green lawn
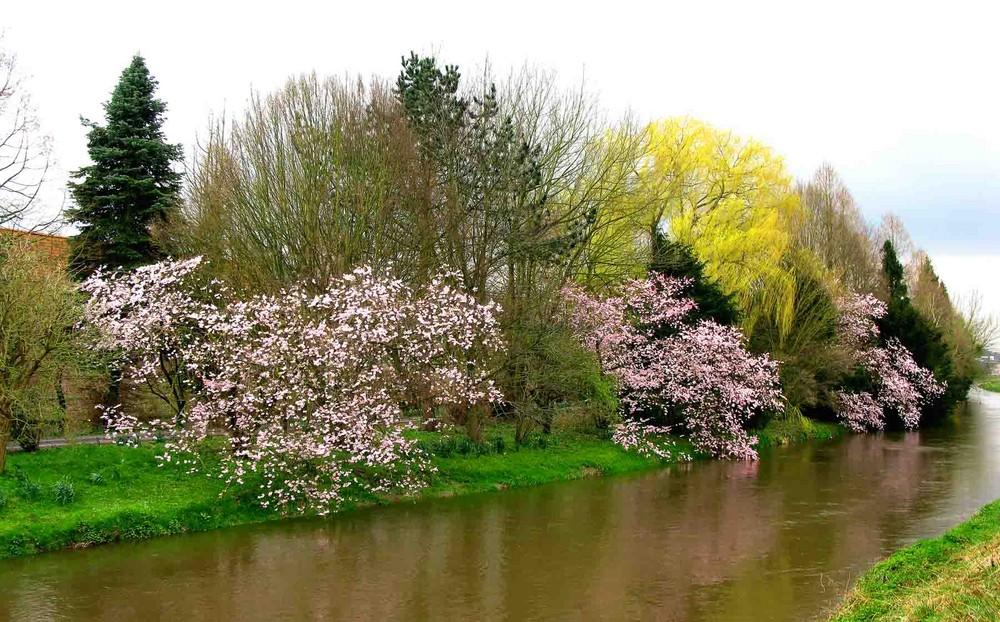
135	500
954	577
122	494
991	384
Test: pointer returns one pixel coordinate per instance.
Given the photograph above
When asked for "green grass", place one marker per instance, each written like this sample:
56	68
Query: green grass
797	429
568	457
954	577
121	493
991	384
131	498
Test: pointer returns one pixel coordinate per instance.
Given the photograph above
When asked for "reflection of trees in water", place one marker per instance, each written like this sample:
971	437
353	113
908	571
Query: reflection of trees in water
685	543
605	546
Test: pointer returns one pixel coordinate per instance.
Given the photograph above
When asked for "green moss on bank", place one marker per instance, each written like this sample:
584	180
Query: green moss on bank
123	494
954	577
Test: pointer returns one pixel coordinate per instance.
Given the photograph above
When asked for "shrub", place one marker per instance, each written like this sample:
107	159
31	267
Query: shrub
64	491
299	381
499	445
699	375
27	489
40	307
537	441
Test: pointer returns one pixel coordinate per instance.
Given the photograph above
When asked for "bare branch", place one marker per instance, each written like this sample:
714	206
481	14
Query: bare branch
24	151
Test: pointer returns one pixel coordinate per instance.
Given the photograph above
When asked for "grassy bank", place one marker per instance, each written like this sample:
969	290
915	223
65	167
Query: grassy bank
120	493
954	577
991	384
797	429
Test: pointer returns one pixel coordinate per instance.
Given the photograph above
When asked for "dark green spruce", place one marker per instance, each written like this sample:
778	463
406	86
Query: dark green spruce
132	182
921	338
676	259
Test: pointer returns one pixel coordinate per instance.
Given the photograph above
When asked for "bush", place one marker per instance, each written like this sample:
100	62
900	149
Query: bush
64	491
538	441
448	446
552	369
499	446
27	489
40	308
36	416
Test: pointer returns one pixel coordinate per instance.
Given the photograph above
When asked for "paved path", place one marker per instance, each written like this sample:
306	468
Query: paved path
46	443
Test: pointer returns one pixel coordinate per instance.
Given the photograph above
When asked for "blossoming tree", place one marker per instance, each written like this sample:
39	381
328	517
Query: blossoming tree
899	384
701	370
307	388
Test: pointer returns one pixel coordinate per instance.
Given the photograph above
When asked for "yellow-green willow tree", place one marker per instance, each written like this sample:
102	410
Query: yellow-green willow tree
728	197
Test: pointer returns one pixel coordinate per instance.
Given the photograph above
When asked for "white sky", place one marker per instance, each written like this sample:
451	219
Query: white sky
901	97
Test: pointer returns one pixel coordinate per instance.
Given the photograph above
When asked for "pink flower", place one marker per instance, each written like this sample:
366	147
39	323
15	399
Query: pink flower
309	389
701	371
901	385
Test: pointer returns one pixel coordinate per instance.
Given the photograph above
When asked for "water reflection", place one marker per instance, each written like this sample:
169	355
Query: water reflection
774	540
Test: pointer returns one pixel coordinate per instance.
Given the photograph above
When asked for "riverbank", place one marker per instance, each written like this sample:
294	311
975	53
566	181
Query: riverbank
85	495
954	577
991	384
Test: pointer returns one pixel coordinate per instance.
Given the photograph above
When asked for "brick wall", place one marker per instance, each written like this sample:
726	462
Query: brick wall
53	247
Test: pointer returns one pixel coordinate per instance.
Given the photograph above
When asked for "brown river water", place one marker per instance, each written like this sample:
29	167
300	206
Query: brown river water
779	539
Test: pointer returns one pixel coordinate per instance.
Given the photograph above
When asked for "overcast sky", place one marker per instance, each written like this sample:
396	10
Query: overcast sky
901	97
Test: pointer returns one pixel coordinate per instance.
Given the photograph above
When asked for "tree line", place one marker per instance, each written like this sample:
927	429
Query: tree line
642	276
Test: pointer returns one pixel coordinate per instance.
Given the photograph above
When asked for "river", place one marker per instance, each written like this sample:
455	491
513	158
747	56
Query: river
779	539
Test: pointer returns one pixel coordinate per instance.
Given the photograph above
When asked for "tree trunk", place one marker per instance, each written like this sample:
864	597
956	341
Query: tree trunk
474	425
4	436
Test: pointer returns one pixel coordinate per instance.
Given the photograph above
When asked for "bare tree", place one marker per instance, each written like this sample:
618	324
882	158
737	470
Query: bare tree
311	180
984	327
24	151
833	228
892	228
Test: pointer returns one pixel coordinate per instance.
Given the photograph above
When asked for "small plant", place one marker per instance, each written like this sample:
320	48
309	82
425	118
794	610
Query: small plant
466	447
444	447
3	500
96	479
498	444
114	474
27	488
538	441
65	491
447	446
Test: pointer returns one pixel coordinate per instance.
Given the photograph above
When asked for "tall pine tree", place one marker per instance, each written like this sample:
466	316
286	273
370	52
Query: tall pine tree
920	337
131	184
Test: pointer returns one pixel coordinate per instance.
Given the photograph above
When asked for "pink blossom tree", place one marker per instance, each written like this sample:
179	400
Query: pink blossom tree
151	320
900	385
701	371
306	388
